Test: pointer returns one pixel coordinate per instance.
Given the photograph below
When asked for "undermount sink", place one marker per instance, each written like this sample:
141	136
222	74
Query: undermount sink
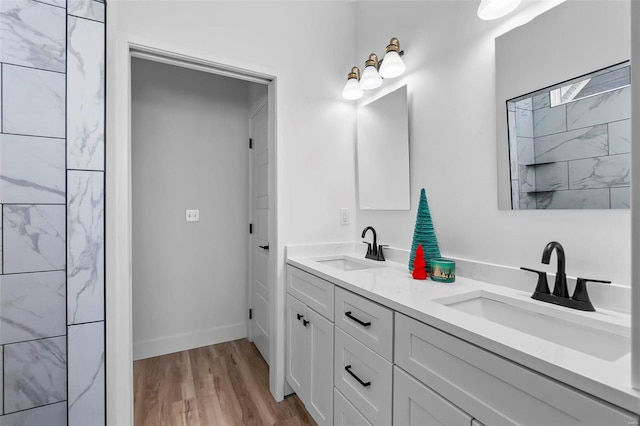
347	264
601	339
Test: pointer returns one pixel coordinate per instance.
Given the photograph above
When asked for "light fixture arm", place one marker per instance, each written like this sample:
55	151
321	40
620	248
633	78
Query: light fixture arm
372	61
354	73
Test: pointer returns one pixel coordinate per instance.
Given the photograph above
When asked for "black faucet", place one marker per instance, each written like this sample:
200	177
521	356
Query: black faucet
560	286
579	300
374	251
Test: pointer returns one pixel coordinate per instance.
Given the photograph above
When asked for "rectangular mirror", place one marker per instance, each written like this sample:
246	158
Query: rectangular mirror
563	109
383	153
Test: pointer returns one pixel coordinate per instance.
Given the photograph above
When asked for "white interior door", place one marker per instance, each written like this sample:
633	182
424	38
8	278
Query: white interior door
260	236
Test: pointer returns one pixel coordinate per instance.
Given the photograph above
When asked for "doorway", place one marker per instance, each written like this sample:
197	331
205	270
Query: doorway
191	267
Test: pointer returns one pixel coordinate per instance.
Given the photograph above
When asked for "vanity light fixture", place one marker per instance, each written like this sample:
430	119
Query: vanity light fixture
494	9
352	89
392	65
374	71
370	77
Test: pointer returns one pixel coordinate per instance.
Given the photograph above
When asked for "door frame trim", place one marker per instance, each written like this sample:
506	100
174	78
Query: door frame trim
121	47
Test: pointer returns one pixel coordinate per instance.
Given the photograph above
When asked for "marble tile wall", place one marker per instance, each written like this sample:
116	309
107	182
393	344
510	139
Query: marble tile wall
52	352
574	155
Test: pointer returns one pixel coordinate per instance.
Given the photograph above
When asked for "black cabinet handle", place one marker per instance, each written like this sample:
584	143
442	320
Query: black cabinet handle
362	323
348	369
264	247
300	316
305	322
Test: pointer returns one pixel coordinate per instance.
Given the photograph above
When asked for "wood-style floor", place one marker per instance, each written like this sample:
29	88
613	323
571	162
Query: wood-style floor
224	384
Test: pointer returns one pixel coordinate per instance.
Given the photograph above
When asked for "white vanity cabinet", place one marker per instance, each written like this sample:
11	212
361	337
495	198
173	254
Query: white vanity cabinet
491	389
309	360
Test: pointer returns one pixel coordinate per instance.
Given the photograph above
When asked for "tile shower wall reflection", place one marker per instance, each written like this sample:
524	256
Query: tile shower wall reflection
571	156
52	353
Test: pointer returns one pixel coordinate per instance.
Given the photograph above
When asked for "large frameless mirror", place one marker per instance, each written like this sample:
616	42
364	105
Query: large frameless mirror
563	101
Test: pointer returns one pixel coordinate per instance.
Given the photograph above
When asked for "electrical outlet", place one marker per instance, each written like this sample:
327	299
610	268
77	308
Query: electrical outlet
192	215
345	216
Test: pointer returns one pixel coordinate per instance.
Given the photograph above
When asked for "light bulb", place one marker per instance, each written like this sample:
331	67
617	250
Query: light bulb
352	90
392	65
370	78
494	9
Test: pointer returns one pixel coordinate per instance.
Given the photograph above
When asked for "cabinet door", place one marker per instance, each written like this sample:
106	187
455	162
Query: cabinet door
319	394
296	345
414	404
344	413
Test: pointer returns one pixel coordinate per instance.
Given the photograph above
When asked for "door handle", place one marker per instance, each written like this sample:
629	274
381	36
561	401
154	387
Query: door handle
363	383
305	322
300	316
362	323
264	247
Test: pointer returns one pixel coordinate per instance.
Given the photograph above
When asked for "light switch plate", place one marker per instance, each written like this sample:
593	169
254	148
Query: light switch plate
345	216
192	215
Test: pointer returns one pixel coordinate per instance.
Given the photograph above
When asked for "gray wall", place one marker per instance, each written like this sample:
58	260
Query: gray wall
190	135
51	195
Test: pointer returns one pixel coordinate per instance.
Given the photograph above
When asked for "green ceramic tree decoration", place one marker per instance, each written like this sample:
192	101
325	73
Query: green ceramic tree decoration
424	234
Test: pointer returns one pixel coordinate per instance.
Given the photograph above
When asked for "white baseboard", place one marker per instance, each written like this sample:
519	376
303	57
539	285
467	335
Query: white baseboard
182	342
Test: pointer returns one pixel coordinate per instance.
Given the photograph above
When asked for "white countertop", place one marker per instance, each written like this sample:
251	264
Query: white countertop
392	285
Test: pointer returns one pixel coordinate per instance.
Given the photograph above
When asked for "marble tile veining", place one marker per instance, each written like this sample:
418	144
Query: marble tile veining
515	194
49	415
600	172
33	238
85	253
33	101
526	151
621	198
513	146
525	104
527	179
33	34
572	145
599	109
32	170
541	101
620	137
58	3
89	9
524	123
575	199
32	306
547	121
552	177
86	374
85	95
35	373
527	201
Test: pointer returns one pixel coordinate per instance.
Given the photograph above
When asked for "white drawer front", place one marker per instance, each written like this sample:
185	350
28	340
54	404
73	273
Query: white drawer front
311	290
373	396
344	413
370	323
414	404
491	389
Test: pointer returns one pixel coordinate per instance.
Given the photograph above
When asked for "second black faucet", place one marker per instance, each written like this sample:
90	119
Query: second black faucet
374	251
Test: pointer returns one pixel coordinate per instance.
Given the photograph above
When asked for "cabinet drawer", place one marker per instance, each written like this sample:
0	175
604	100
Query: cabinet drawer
414	404
364	378
370	323
311	290
344	413
490	388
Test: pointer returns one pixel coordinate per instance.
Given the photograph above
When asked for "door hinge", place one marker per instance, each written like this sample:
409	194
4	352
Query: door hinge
250	143
250	313
251	228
